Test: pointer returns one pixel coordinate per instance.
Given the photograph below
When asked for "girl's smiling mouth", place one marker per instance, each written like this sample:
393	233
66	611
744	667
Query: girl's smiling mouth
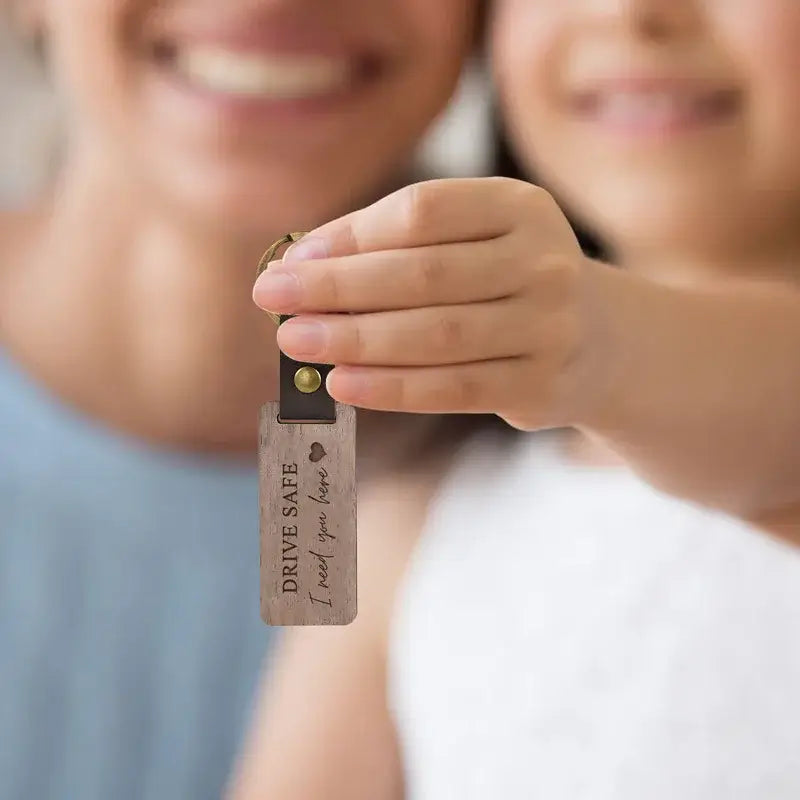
648	106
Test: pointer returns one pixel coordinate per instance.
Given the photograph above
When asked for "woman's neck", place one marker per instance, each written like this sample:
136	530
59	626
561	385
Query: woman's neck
138	319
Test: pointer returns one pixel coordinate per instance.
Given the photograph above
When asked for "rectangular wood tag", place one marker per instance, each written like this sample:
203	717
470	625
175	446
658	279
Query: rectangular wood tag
307	494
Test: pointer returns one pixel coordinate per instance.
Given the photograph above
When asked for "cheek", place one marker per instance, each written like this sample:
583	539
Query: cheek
448	19
88	54
526	45
444	30
439	37
522	34
765	35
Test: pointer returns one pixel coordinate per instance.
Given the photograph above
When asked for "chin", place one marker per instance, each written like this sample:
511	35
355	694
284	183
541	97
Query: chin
662	215
240	203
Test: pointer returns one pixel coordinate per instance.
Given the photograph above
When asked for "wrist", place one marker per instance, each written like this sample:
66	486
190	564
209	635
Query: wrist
624	314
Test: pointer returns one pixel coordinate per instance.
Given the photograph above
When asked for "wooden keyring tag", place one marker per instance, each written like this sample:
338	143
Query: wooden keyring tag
307	495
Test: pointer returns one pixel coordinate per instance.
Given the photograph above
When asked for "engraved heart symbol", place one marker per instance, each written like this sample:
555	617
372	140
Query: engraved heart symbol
317	453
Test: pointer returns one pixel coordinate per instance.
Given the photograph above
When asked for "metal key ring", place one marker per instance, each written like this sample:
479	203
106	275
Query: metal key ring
269	256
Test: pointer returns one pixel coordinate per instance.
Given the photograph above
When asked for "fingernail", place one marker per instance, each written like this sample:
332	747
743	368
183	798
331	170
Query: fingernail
302	337
348	384
276	291
308	248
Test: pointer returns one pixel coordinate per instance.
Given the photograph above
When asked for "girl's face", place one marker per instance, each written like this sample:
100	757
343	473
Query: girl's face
661	122
254	114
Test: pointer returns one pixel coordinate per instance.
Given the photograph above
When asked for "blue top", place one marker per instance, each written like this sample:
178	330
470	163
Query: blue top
130	638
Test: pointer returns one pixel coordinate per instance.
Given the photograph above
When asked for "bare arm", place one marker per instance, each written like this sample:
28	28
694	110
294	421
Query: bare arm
493	307
704	397
322	728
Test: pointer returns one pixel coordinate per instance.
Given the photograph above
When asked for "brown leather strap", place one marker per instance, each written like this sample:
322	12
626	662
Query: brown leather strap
296	406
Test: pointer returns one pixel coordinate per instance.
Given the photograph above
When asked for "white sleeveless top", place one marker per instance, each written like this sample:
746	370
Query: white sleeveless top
567	632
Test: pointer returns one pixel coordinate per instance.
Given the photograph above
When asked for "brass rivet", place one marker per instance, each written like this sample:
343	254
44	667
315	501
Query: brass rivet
307	380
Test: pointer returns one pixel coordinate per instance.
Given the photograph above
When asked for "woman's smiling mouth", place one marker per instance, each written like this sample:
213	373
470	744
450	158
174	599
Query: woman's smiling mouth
269	75
250	63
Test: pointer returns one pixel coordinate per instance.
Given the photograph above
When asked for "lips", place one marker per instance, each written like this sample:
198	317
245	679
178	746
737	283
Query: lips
264	58
654	105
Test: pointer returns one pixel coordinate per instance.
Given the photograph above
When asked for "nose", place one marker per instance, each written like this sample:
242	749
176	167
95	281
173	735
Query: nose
656	20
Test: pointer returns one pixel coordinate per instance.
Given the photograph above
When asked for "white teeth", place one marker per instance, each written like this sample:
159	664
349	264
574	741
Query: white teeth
646	107
283	77
656	108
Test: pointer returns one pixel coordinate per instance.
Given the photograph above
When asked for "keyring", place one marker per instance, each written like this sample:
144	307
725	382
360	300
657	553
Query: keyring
307	494
269	256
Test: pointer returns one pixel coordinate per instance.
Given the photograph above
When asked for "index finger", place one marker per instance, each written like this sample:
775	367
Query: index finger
420	215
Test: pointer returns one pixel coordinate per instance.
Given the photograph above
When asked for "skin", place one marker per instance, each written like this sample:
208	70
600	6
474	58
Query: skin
473	296
138	261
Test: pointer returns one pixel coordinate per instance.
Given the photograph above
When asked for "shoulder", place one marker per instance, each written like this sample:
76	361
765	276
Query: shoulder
783	523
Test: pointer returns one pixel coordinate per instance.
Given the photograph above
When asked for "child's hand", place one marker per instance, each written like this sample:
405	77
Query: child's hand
464	296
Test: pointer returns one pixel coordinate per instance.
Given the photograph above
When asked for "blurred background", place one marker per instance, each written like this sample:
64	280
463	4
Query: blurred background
29	114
